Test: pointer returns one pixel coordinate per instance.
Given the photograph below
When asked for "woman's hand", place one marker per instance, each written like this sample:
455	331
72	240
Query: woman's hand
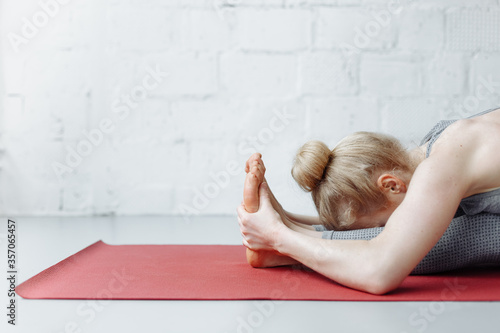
260	230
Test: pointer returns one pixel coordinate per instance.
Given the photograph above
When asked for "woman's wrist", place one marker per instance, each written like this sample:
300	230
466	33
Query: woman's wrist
290	216
287	221
281	238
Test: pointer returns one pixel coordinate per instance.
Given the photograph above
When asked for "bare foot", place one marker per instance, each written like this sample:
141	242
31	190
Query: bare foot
255	176
255	161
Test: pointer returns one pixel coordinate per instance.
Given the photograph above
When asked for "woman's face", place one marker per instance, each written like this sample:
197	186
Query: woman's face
373	220
377	218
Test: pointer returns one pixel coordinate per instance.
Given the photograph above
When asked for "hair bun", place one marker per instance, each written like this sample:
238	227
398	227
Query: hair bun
310	164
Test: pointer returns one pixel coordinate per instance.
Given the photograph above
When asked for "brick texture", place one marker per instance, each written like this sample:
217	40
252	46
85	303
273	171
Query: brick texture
152	107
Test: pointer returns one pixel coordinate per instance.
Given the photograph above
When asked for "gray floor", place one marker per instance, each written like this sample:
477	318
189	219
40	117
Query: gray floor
43	242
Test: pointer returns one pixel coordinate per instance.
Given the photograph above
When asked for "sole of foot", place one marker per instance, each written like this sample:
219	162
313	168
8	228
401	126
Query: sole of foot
255	176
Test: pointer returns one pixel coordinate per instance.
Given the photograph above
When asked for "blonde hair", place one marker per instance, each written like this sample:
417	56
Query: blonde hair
343	181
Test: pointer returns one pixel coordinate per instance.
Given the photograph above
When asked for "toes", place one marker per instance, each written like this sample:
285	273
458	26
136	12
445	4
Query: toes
257	156
260	164
251	193
250	161
254	179
258	172
262	168
251	177
255	175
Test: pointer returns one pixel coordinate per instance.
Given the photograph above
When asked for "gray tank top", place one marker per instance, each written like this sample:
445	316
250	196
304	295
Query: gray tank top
488	202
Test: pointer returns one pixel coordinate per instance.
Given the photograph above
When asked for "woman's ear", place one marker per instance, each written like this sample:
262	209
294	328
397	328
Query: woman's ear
391	184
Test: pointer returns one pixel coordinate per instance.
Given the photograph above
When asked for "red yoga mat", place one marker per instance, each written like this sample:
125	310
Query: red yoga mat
220	272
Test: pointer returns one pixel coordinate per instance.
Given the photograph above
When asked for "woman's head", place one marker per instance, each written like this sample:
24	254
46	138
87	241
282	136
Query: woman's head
344	181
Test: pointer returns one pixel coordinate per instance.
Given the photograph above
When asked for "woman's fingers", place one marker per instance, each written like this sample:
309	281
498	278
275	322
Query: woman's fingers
242	215
256	228
241	211
242	232
242	218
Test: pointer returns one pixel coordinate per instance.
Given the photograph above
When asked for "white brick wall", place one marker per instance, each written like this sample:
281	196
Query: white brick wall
278	30
391	76
152	106
337	26
258	74
421	30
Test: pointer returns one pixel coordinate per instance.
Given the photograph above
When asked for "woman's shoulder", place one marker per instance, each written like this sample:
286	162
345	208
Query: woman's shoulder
469	149
482	129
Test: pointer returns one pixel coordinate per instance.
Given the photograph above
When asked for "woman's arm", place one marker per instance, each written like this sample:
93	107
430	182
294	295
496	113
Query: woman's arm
455	169
381	264
303	228
303	219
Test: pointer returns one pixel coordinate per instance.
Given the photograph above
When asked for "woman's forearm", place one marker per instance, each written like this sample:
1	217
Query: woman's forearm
303	219
303	228
353	263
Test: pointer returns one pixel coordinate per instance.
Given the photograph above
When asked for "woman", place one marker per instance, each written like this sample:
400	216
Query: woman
369	180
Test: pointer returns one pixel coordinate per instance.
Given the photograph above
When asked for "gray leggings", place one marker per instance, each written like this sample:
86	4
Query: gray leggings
469	240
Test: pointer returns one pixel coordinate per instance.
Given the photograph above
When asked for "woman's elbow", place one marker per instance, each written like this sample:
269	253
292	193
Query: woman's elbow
381	282
380	287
